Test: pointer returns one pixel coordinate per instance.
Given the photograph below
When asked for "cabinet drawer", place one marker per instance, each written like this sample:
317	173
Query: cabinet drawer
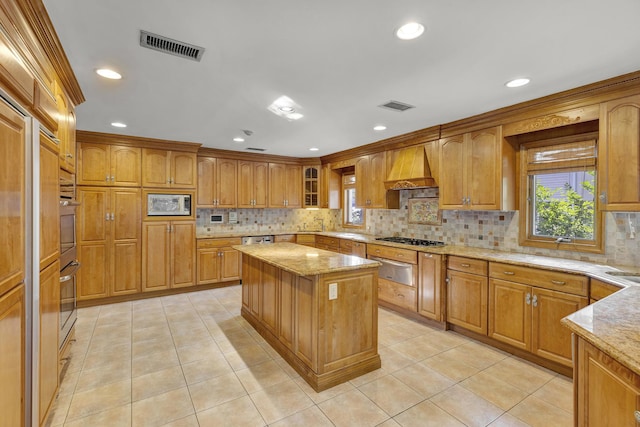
396	254
346	244
218	243
397	294
303	239
600	289
554	280
328	241
468	265
290	238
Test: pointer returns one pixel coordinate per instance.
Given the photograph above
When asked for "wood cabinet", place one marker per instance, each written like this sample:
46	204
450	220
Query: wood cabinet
252	184
168	254
285	185
217	261
14	74
398	294
525	314
327	243
109	242
66	131
12	356
49	327
306	239
49	201
330	187
467	293
607	393
484	174
45	107
619	154
311	187
371	172
599	289
108	165
352	247
169	169
430	286
217	183
282	238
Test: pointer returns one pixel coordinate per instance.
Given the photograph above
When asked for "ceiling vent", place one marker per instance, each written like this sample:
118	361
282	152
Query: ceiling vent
256	149
170	46
396	106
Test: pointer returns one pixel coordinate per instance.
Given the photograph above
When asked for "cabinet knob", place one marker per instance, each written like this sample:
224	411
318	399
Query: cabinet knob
106	178
637	415
535	301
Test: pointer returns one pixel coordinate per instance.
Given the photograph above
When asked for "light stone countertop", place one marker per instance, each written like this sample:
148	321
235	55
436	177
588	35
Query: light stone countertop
305	260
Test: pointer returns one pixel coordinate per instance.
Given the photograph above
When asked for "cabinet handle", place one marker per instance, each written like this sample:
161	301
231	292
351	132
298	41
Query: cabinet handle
106	216
637	415
508	273
113	178
527	299
399	255
168	229
69	156
106	178
112	216
535	300
465	265
428	256
558	282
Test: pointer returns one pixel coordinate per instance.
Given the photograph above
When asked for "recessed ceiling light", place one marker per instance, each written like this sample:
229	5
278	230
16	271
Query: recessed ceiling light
517	82
286	109
313	149
109	74
410	31
118	125
294	116
238	139
379	127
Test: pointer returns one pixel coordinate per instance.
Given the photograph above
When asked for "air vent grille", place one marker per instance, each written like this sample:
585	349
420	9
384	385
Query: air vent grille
396	106
256	149
170	46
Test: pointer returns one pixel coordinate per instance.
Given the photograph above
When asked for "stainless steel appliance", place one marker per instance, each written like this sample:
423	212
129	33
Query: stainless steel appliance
410	241
255	240
69	264
159	204
396	271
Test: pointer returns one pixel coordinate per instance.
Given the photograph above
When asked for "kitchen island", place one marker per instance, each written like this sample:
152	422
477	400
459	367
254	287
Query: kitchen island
318	309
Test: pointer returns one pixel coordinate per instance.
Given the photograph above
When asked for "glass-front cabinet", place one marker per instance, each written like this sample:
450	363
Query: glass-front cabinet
312	187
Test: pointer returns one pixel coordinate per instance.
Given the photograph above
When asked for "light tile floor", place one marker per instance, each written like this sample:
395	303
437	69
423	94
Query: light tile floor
191	360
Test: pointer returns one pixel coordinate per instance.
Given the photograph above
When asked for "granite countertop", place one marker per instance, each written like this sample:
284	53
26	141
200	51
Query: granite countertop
612	325
304	260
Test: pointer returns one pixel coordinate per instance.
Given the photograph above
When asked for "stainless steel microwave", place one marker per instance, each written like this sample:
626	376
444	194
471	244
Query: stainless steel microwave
168	204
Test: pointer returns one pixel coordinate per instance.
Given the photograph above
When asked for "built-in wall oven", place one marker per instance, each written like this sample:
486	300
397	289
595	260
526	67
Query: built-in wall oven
69	264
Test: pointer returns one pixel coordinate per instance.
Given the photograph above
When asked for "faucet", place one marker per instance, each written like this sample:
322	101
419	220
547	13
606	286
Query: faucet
321	222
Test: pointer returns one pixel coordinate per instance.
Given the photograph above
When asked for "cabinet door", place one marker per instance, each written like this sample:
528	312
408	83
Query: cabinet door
70	164
619	154
294	186
429	285
375	181
510	313
484	168
208	266
184	172
63	131
549	338
49	202
206	182
93	277
277	185
269	285
12	135
92	214
155	168
362	185
125	241
156	256
49	329
452	173
311	187
226	183
183	255
467	301
12	356
230	264
245	184
287	286
260	184
125	166
93	164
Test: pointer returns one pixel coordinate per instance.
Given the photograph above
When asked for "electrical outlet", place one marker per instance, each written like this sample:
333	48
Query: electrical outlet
333	291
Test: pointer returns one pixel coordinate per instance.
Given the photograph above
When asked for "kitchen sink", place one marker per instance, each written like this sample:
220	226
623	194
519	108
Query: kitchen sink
634	277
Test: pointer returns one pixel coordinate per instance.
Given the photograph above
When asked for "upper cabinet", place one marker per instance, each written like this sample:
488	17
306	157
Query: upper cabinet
329	187
45	107
108	165
169	169
619	154
66	132
477	171
217	183
371	172
311	187
252	184
285	185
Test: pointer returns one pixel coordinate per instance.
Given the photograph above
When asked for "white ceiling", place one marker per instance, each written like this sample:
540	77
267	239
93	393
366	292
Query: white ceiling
337	59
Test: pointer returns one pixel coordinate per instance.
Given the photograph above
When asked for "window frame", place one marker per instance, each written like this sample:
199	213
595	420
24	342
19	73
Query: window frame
526	192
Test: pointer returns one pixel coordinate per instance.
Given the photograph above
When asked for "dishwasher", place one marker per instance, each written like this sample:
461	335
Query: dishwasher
257	240
395	271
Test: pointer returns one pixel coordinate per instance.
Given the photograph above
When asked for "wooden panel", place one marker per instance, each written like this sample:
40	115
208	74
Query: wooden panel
125	204
184	171
125	163
555	280
125	264
91	221
452	180
12	356
14	74
269	284
156	168
305	335
230	264
49	202
93	164
375	181
93	277
70	158
359	249
397	254
429	286
208	265
397	294
484	167
183	253
255	278
156	256
260	184
286	314
226	183
277	185
45	107
599	289
293	175
549	338
205	196
467	296
510	313
49	330
306	239
218	242
245	184
246	282
290	238
468	265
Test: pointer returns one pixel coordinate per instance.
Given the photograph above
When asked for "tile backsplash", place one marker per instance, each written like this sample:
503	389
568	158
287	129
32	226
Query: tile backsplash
482	229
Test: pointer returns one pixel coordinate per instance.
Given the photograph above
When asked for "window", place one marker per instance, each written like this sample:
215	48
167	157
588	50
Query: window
353	215
558	204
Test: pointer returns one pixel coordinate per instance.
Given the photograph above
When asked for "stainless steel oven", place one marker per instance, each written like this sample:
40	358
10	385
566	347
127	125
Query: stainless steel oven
68	256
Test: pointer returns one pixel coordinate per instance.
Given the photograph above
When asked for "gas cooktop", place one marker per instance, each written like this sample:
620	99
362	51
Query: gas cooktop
408	241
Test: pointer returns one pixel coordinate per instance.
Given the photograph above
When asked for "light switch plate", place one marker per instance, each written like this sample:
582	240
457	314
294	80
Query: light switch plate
333	291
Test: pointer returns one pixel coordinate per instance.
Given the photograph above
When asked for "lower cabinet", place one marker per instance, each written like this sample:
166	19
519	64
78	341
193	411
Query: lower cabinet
328	243
168	254
467	293
306	239
217	261
12	356
49	330
429	286
607	393
400	295
351	247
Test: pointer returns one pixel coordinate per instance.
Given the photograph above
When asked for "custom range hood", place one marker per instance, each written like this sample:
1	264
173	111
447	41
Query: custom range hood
410	170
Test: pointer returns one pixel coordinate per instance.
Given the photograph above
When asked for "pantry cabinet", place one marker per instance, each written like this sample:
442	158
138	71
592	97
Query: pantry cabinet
484	176
430	286
371	172
108	165
285	185
49	327
109	244
217	261
619	154
12	356
217	183
252	184
168	254
467	293
169	169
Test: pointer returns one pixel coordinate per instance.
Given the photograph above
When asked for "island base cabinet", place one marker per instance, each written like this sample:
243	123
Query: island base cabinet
607	393
326	341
